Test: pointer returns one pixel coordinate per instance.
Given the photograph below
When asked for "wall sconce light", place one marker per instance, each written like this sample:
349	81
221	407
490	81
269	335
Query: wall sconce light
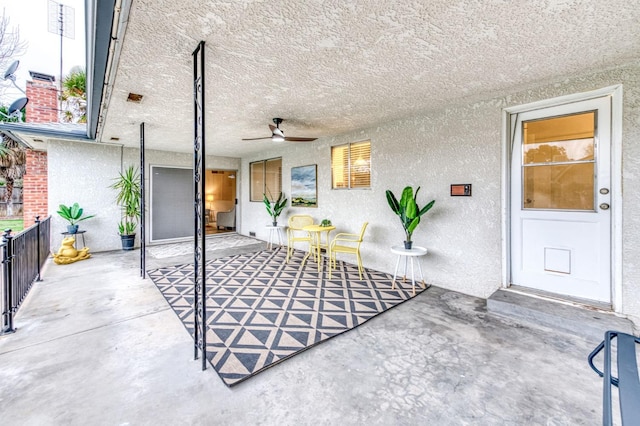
209	199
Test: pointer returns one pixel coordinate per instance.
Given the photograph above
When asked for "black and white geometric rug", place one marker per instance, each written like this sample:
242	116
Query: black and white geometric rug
214	242
261	310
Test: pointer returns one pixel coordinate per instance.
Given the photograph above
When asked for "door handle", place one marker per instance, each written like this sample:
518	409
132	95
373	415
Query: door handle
604	206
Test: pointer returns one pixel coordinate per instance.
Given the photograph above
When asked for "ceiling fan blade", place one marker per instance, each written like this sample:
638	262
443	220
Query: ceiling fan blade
256	139
295	139
272	127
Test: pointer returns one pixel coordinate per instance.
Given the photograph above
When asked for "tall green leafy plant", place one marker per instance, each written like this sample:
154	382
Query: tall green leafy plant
408	210
128	198
275	208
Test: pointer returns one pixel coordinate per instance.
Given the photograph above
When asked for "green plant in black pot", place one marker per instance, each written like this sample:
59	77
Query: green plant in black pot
128	198
408	211
73	215
274	208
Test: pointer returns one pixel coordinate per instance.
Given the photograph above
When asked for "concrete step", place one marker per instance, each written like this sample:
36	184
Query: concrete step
581	320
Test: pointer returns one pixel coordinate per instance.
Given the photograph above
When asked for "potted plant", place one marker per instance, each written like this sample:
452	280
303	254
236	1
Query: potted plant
73	215
128	198
408	211
275	208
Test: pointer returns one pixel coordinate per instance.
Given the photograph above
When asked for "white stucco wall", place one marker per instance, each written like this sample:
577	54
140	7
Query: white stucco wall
461	233
82	173
461	144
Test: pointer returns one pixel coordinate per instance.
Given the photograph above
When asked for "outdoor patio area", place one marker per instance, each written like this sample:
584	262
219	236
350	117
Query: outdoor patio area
97	344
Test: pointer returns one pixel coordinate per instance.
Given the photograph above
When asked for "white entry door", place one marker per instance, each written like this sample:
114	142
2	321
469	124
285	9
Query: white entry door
560	199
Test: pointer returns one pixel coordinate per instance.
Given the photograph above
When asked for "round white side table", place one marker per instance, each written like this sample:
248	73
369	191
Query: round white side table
409	254
275	232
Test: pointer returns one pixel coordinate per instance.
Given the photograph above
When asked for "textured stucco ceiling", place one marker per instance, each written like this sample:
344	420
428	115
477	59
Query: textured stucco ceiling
332	66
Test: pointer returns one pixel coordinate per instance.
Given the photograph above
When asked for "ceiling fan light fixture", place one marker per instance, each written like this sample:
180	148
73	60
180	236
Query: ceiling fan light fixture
277	135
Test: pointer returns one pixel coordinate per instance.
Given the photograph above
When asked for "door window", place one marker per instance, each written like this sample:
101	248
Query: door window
558	162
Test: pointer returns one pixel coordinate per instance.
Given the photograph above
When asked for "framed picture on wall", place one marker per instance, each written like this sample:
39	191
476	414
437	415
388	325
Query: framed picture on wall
304	188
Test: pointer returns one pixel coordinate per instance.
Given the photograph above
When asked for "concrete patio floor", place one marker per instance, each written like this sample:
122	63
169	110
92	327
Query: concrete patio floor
96	344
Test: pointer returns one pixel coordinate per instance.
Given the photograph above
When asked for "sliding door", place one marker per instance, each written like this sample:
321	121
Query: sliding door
171	203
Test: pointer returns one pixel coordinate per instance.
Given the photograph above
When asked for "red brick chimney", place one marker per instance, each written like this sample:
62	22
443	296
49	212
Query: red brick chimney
42	108
43	99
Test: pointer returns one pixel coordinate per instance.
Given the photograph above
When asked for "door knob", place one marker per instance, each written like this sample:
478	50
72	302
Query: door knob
604	206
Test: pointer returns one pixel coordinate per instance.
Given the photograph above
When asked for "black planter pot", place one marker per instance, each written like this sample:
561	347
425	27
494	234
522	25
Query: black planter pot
407	245
128	241
72	229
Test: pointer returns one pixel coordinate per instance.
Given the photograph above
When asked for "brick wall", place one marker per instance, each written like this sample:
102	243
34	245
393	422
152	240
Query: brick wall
35	187
43	102
42	108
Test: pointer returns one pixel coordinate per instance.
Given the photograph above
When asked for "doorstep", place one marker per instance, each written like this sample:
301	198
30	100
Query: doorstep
581	320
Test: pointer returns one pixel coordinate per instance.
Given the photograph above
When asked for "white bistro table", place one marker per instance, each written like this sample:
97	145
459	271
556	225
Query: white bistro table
275	232
409	254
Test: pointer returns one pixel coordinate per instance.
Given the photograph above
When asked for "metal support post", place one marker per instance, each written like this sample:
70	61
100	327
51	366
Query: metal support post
38	278
7	257
199	168
143	216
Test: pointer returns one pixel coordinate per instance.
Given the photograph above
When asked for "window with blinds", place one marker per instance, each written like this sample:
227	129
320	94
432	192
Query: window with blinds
273	178
266	178
351	166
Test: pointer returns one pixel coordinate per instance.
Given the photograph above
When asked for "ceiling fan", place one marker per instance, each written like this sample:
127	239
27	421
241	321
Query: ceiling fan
277	135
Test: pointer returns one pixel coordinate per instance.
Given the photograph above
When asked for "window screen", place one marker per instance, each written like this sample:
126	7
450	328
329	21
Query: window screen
558	163
351	166
257	180
266	178
171	203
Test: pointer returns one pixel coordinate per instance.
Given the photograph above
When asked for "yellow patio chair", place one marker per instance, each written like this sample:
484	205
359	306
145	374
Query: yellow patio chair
347	243
296	234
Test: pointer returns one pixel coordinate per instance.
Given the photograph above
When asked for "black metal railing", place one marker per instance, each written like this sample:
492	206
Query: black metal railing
627	382
23	256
